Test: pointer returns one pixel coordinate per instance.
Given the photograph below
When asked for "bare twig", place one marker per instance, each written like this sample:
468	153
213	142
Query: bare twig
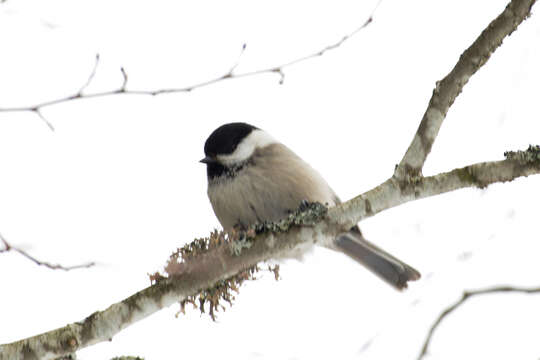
466	296
8	247
238	59
124	83
36	108
38	112
451	86
91	77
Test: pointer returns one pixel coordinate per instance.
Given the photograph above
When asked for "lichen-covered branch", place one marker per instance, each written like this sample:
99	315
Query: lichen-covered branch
229	258
394	192
447	90
466	296
274	240
204	271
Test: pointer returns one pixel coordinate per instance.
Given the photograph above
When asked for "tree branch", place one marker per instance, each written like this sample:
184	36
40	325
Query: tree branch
221	262
451	86
394	192
8	247
230	74
466	296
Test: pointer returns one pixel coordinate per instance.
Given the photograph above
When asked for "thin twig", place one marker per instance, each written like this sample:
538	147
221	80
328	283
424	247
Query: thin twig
91	77
8	247
38	112
466	296
124	83
325	49
228	75
238	59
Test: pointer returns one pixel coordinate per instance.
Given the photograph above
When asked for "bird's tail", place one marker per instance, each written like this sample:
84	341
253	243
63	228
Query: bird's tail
390	269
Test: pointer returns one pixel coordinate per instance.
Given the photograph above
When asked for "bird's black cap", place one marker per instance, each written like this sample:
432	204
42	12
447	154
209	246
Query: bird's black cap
226	138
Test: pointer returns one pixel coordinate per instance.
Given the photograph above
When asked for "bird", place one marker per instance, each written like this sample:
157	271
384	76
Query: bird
253	178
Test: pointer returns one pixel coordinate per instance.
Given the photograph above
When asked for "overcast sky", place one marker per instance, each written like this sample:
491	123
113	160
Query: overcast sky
118	182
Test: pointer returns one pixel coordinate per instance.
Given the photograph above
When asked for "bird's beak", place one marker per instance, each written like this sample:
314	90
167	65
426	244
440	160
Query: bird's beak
208	160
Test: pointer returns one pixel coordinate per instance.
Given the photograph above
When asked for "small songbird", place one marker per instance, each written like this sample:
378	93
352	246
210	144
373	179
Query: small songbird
254	178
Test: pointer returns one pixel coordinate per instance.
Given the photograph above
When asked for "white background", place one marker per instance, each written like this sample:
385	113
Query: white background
119	181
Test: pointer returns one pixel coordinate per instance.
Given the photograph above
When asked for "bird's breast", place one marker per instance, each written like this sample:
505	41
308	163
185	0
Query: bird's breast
267	189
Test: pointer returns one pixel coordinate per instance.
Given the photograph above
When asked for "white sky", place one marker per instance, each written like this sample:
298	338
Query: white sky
118	182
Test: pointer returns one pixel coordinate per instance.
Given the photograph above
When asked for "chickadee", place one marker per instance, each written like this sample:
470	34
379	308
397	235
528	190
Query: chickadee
254	178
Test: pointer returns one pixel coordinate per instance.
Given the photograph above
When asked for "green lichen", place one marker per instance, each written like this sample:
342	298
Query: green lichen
531	155
211	300
465	175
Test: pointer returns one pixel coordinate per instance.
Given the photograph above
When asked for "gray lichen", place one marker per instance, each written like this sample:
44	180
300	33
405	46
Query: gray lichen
307	214
244	241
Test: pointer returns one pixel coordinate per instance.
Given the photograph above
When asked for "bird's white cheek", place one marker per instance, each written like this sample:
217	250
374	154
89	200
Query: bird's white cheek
241	154
244	150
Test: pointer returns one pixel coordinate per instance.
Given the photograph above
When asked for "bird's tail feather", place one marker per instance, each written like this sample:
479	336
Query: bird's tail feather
387	267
